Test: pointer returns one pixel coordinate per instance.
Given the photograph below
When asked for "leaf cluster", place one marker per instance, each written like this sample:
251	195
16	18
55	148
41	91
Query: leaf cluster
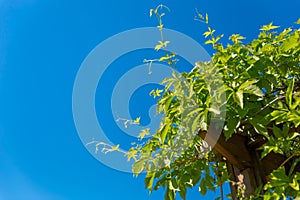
261	86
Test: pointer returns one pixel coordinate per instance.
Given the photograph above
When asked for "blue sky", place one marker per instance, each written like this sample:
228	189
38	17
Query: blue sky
42	45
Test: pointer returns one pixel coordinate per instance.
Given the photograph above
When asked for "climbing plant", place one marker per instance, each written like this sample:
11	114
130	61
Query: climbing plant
256	84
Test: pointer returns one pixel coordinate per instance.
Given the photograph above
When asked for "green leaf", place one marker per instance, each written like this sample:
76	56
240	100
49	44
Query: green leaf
164	131
289	93
195	123
158	46
296	122
170	194
167	57
149	180
137	120
230	127
279	116
139	166
161	44
160	27
277	132
268	27
182	191
217	112
168	103
295	185
247	84
259	127
236	38
210	32
298	21
200	16
143	133
279	175
294	135
202	187
290	43
115	148
131	154
238	98
156	93
209	42
268	149
253	89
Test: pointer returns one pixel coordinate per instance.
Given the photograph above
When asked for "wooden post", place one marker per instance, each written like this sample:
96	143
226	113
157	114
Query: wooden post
242	164
247	179
246	169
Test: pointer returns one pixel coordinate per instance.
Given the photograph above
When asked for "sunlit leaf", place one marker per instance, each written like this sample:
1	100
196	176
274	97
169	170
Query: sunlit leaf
268	27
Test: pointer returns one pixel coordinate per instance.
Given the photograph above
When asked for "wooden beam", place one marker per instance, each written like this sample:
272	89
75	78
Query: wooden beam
234	149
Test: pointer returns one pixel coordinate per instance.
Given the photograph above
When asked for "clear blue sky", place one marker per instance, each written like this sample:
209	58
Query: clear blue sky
42	45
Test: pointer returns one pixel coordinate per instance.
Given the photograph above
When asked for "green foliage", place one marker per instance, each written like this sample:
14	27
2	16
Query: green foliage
282	185
268	27
127	122
261	83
